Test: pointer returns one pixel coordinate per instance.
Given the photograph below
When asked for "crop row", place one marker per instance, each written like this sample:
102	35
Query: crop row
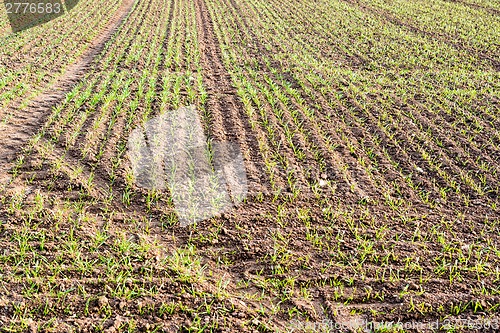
32	58
483	135
384	116
150	66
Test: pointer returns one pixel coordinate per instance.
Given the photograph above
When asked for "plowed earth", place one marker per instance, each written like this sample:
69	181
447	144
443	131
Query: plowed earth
382	204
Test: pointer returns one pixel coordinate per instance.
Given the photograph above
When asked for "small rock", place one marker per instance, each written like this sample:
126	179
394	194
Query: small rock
103	301
33	327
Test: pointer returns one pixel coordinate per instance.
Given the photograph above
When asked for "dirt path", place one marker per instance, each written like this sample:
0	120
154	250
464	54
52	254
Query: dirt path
27	120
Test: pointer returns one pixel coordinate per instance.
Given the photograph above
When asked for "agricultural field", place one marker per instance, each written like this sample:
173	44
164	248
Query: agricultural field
251	166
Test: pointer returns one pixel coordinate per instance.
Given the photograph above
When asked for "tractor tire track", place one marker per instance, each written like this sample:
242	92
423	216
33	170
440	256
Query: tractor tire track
229	121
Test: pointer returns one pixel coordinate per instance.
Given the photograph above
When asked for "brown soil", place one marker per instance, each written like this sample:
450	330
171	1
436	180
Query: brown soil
240	247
